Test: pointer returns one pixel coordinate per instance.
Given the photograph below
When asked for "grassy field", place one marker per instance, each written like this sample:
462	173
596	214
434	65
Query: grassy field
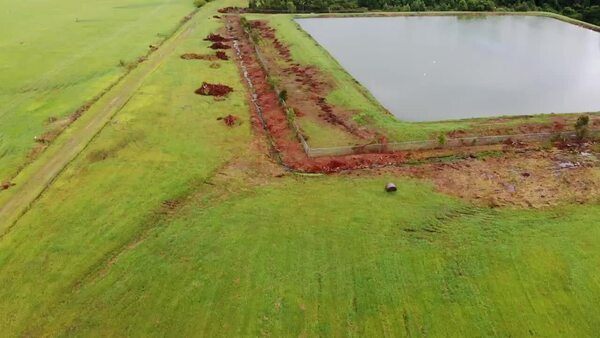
57	55
170	223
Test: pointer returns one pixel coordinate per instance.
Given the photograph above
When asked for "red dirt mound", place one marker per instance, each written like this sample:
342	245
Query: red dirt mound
216	38
229	120
219	45
221	55
209	89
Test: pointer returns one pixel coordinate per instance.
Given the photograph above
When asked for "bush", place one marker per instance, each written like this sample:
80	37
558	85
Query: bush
581	126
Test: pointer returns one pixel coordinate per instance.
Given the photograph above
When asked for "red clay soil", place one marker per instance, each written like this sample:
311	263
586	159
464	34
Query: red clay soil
268	33
285	142
229	120
218	90
222	55
307	80
216	38
219	45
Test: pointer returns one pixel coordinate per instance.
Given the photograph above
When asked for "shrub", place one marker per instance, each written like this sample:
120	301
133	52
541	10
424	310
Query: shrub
581	126
283	95
442	139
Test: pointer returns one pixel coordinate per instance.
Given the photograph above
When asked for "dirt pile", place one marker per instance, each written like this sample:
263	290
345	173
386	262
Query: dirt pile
6	185
229	120
219	45
218	90
222	55
216	38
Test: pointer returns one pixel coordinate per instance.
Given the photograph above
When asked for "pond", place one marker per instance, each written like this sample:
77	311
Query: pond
430	68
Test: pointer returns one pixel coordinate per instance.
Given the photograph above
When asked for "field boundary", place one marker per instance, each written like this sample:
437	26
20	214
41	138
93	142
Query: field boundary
408	145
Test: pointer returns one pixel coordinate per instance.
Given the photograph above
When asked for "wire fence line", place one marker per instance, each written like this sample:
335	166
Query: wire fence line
403	146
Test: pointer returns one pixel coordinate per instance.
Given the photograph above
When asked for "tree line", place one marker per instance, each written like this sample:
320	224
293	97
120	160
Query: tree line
585	10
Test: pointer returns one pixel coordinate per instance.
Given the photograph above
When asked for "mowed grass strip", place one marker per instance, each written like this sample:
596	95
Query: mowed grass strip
163	143
337	256
57	55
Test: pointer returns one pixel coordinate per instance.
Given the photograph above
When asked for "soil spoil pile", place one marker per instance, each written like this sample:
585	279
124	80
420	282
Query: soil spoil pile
219	45
218	90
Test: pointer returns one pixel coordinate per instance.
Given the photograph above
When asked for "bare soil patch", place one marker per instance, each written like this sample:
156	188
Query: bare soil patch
222	55
216	38
194	56
526	178
209	89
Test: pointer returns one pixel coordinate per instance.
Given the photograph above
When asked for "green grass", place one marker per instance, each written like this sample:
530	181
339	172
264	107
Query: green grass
281	261
57	55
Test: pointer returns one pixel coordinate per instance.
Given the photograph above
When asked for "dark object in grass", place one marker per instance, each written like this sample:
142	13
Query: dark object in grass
194	56
218	90
6	185
216	38
229	120
390	187
222	55
219	45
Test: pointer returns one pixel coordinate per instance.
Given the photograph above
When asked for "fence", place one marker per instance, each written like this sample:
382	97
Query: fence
399	146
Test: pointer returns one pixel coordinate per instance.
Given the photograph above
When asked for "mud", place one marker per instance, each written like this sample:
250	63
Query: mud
219	45
218	90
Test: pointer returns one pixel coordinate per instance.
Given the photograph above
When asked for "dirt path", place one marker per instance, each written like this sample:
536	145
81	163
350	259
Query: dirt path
32	181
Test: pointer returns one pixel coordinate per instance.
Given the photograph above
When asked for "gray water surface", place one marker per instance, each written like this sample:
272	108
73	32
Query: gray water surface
447	67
